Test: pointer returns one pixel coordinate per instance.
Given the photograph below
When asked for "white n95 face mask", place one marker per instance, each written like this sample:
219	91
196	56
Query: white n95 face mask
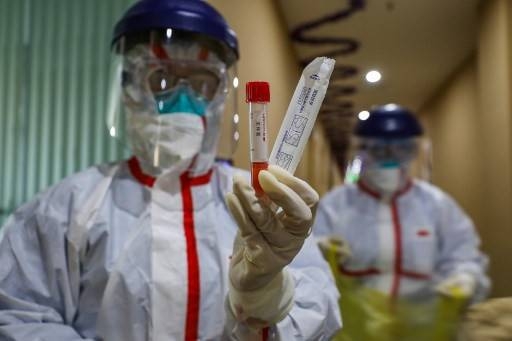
384	179
164	141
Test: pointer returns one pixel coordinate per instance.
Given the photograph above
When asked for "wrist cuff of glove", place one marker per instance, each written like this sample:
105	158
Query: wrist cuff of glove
461	284
265	306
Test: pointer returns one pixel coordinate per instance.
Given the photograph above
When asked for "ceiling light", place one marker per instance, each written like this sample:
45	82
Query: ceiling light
373	76
364	115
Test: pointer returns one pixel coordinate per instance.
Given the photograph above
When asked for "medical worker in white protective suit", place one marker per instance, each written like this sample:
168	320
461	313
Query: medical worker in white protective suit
401	236
146	249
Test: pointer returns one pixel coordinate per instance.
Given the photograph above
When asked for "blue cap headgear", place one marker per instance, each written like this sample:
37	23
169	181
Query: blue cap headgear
389	121
195	16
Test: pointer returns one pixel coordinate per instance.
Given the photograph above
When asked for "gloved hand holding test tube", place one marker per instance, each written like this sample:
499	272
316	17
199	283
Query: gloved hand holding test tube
276	213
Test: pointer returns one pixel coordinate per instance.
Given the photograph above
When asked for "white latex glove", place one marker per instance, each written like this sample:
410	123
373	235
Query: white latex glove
336	245
461	285
490	321
269	237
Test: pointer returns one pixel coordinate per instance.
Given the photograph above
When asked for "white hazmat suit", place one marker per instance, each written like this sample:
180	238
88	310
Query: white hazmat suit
405	245
112	253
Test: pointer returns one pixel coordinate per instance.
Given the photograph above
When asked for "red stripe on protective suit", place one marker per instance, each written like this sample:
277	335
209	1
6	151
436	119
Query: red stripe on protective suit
414	275
193	295
193	285
374	272
363	187
398	271
193	282
406	188
397	229
138	174
359	273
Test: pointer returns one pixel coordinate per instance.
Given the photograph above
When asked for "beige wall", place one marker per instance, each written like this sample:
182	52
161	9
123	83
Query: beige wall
494	73
266	54
470	125
452	123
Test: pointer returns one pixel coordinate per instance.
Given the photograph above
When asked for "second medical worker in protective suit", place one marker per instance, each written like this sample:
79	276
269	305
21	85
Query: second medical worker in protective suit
146	249
396	237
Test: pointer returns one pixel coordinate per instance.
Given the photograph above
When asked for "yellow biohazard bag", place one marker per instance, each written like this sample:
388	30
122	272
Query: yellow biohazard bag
371	315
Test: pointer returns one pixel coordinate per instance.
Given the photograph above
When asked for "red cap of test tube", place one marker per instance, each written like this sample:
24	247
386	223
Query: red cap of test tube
257	92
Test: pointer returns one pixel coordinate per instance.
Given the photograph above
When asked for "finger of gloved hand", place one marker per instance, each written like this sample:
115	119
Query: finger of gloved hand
245	224
260	214
335	246
336	240
301	187
291	203
332	242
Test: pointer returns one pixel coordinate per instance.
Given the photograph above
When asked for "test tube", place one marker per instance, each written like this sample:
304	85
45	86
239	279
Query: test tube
258	97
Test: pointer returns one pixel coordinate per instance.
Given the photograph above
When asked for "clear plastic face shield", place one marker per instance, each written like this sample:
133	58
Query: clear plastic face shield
229	134
387	164
168	93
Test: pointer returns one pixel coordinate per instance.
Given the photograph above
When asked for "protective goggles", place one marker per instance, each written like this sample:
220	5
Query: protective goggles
382	151
159	77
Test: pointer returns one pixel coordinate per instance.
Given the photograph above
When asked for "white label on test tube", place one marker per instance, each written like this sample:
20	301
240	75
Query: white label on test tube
301	114
259	136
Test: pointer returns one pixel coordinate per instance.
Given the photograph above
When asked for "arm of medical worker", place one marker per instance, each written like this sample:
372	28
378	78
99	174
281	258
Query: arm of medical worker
460	259
314	315
330	239
35	291
299	300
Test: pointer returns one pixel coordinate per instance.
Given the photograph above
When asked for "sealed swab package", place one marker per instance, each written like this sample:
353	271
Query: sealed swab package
301	114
